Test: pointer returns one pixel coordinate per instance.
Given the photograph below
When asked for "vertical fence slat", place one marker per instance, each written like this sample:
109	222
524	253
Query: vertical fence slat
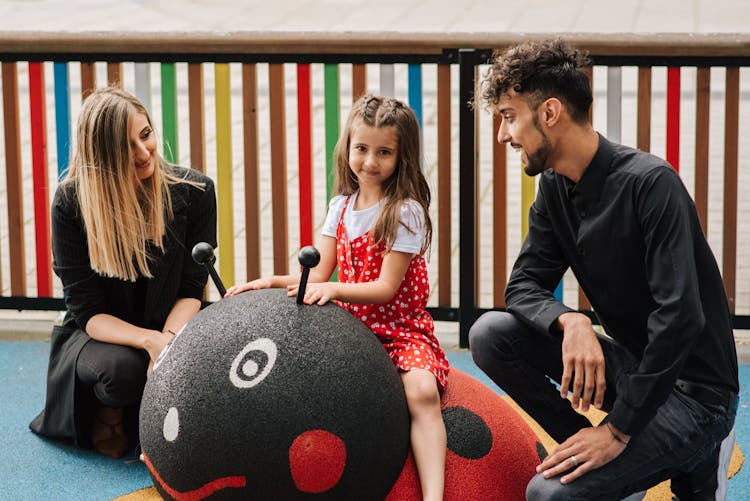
415	91
304	144
387	80
731	147
614	103
583	301
40	179
499	208
331	92
444	183
527	198
196	114
62	117
11	126
644	108
359	81
114	74
702	113
468	220
224	171
143	84
197	128
673	117
250	143
278	168
169	112
88	78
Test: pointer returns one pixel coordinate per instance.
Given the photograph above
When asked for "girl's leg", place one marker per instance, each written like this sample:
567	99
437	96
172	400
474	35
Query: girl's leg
428	438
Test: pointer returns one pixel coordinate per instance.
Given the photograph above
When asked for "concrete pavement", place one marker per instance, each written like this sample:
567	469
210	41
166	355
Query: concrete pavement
610	16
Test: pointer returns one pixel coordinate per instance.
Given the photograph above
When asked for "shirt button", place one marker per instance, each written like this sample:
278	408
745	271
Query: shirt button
583	214
581	250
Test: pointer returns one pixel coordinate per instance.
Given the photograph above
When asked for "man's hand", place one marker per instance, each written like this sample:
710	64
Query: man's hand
583	361
587	450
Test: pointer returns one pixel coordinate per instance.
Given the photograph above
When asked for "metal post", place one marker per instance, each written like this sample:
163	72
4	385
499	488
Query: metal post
467	217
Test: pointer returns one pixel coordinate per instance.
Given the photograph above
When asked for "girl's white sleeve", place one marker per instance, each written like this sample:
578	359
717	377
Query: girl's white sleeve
411	231
335	206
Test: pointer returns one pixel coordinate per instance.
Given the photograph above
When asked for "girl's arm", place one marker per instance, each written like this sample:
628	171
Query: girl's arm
322	272
380	291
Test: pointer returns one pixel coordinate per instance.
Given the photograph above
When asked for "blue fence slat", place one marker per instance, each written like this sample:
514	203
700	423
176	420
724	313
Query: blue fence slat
62	116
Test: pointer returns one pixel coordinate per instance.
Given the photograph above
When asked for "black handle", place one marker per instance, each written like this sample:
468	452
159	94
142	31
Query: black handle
203	254
309	257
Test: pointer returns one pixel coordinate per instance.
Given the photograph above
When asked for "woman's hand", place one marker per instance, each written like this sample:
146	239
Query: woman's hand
258	283
154	345
156	342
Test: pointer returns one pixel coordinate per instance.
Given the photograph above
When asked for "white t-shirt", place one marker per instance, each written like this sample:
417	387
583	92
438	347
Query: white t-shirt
358	222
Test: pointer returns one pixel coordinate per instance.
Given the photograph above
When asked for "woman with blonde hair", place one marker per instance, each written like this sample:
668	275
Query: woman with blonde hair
124	223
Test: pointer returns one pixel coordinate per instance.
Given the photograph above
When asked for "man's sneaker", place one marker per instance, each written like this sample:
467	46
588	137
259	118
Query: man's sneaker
725	456
636	496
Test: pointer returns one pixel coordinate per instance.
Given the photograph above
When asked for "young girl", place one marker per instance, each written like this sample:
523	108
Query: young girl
376	232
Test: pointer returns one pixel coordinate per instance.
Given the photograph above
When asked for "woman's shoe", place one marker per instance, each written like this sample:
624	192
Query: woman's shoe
107	432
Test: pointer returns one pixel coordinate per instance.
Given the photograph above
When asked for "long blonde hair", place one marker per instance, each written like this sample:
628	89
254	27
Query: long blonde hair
406	183
121	215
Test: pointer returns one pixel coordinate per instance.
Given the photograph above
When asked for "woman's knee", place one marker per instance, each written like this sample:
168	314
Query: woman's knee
119	372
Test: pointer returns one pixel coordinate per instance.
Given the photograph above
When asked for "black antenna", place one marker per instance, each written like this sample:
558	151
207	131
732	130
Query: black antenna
203	254
309	257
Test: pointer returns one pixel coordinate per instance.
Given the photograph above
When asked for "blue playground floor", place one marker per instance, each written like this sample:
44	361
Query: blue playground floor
37	469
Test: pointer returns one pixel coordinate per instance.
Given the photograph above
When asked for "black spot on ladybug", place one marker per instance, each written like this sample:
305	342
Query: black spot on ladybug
541	451
468	434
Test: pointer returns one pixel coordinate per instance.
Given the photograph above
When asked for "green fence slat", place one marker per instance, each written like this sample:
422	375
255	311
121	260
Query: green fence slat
169	112
332	113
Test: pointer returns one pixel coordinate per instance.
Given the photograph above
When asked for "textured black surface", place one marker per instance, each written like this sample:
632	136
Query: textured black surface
330	373
468	435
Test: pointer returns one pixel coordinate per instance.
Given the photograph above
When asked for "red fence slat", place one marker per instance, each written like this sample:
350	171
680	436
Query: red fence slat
673	117
304	135
40	179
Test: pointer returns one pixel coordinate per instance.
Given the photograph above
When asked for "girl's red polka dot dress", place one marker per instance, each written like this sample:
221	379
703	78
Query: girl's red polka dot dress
403	325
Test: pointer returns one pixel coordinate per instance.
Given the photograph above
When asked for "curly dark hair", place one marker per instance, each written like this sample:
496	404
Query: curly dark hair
540	70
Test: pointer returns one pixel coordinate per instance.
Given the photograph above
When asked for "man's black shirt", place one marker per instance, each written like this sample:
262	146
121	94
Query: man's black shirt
630	232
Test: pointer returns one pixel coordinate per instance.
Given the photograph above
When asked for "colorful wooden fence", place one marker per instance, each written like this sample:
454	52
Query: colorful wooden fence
263	125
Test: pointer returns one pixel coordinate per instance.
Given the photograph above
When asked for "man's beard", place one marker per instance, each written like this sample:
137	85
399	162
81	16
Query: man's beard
537	161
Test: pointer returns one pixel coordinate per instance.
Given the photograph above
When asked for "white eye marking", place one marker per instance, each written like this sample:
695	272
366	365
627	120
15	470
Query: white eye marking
171	425
250	368
244	373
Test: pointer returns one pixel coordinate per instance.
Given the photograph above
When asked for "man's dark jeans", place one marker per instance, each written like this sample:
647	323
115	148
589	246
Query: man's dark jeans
680	443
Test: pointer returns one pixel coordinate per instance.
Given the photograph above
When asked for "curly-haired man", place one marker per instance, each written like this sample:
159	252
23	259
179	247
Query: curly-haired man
621	219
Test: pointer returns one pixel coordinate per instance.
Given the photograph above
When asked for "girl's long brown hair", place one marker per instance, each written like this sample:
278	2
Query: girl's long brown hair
121	215
406	183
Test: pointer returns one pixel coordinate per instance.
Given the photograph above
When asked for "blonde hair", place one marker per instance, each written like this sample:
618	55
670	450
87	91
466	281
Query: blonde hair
407	181
121	214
